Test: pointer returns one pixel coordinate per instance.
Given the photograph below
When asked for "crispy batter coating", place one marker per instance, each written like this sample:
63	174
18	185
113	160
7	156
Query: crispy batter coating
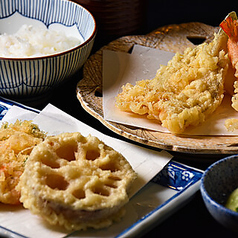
230	27
16	143
234	98
76	182
231	124
183	93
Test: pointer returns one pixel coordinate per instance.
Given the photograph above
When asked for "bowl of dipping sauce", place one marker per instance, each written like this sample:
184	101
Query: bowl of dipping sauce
42	43
218	189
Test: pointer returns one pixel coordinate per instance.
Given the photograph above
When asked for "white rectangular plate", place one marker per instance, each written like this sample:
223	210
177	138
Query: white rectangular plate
160	198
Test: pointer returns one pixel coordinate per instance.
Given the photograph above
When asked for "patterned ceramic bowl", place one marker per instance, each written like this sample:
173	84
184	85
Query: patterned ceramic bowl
27	77
217	183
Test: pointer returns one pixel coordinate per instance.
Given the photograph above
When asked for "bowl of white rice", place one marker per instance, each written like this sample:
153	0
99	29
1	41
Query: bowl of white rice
42	43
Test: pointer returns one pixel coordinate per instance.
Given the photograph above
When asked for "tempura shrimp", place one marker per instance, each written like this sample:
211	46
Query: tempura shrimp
230	27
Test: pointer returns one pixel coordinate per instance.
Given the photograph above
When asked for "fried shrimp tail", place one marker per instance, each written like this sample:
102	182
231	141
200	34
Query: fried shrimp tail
230	27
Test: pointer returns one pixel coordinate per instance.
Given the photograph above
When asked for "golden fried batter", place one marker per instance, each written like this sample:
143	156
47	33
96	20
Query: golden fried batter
231	124
16	143
76	182
183	93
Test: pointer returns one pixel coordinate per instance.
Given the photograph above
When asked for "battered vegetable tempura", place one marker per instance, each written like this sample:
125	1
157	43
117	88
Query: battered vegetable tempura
183	93
16	143
77	182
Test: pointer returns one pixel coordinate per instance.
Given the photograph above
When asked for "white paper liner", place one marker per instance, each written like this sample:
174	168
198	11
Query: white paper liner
147	163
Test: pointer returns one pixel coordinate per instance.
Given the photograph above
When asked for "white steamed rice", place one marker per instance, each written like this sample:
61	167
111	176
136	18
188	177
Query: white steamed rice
31	41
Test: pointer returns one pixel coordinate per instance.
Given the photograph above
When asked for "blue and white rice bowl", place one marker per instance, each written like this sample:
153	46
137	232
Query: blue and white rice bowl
36	75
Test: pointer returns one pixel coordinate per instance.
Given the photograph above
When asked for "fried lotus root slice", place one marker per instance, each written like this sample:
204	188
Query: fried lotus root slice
76	182
16	143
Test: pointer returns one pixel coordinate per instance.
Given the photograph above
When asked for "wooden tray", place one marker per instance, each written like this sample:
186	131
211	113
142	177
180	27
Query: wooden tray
173	38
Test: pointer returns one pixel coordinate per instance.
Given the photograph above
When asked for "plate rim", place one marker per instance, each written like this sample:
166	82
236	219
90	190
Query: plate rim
170	206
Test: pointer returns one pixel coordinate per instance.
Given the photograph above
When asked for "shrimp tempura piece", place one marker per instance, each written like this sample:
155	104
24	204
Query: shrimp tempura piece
230	27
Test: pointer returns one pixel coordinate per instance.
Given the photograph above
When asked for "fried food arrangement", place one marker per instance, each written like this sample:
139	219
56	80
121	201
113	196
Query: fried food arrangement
183	93
76	182
16	143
